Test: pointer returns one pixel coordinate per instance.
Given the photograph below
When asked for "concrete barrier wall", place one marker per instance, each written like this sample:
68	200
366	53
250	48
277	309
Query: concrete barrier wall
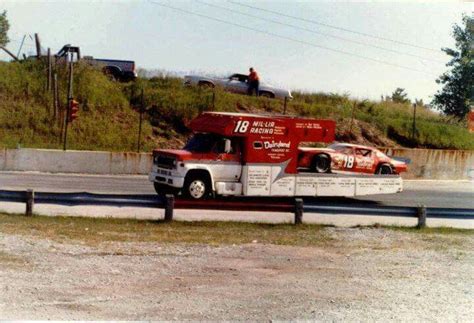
425	163
88	162
436	164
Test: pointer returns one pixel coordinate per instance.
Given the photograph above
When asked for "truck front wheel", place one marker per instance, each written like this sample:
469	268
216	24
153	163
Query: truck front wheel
197	187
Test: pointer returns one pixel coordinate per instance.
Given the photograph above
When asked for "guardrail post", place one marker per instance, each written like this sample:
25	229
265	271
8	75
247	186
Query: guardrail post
298	211
30	201
169	206
421	212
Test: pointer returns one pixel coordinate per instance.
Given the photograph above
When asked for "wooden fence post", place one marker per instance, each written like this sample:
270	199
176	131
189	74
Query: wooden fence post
50	71
298	211
30	201
421	217
55	96
169	207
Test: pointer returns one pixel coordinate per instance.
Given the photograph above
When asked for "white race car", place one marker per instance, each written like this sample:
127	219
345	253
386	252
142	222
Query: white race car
237	83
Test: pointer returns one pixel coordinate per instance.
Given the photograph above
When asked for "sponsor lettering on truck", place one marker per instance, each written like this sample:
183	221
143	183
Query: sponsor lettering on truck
253	155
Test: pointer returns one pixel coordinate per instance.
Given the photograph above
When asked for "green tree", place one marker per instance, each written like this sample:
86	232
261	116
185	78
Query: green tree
457	93
4	26
399	96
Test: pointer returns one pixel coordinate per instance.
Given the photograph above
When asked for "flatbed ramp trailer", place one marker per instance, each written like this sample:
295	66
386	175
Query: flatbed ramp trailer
253	155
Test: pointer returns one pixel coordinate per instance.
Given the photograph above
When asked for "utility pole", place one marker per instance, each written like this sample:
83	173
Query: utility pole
69	100
352	117
38	46
285	105
142	109
213	99
413	134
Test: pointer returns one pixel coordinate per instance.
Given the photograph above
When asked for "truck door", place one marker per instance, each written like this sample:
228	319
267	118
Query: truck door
227	156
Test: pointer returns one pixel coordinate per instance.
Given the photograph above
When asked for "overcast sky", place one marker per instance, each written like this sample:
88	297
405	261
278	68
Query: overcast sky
163	38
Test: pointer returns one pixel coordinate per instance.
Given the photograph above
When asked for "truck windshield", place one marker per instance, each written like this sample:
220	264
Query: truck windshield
201	143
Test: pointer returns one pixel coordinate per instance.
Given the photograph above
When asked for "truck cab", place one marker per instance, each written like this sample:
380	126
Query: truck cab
205	161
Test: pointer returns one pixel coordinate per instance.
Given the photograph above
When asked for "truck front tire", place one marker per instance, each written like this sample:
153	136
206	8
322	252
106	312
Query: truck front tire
197	187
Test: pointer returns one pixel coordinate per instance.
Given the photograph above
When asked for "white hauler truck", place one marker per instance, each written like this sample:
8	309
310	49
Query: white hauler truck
253	155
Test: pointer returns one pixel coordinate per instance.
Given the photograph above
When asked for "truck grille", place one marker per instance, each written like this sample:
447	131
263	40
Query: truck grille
165	161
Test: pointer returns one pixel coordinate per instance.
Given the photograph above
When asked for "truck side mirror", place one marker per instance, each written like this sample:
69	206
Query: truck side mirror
227	146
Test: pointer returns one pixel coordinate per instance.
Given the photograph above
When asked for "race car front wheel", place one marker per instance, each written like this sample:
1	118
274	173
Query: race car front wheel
384	169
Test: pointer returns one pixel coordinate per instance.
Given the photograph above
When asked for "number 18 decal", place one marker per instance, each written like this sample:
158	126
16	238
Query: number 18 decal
348	161
241	126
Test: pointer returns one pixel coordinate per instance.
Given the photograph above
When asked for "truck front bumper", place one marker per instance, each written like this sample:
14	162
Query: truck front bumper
167	177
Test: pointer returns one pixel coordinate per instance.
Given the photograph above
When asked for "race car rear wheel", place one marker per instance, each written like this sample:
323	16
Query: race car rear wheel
321	163
205	84
384	169
266	94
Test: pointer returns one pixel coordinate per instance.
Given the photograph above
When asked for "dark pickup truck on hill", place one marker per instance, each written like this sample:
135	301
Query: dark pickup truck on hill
119	70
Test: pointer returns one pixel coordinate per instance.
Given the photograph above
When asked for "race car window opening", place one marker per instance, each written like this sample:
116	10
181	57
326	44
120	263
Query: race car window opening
363	152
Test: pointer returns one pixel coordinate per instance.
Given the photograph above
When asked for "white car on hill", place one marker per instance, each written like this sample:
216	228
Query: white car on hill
237	83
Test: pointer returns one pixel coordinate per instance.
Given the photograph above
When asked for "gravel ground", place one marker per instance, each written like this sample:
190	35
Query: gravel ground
364	274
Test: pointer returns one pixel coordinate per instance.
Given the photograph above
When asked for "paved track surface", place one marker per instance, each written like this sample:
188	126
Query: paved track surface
459	194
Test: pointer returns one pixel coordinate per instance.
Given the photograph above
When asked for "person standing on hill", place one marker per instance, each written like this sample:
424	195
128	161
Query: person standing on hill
254	82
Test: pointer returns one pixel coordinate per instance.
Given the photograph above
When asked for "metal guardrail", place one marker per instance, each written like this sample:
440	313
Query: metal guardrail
399	211
298	206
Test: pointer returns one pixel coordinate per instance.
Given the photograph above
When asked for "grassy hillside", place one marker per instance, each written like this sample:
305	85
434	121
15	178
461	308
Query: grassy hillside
107	122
